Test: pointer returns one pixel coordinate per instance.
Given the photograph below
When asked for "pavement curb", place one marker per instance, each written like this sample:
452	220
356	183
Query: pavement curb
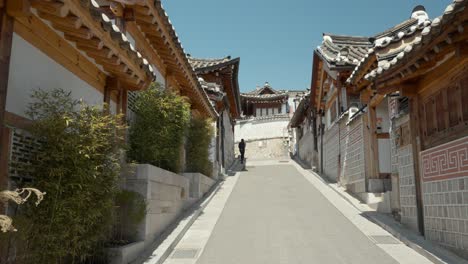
426	248
164	246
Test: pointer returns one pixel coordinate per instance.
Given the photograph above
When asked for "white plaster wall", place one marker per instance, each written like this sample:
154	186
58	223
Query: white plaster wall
305	148
257	129
229	155
31	69
385	157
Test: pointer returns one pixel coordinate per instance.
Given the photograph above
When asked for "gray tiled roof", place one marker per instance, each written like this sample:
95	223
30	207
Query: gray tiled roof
428	32
341	50
398	36
118	36
198	63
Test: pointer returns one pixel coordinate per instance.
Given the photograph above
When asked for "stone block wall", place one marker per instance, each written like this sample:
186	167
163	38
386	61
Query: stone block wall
199	184
265	149
331	149
407	187
343	148
444	174
354	159
166	194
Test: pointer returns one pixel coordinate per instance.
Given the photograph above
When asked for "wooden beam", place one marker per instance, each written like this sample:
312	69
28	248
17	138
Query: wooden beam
180	57
376	100
87	19
51	7
18	8
72	22
386	89
6	40
36	32
145	47
427	49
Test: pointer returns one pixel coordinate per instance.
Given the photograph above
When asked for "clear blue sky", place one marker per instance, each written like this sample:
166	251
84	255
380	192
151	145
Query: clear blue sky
275	39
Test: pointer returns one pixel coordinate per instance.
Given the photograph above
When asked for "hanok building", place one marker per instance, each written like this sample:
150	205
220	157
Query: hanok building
335	108
303	132
100	51
381	148
220	81
422	69
264	123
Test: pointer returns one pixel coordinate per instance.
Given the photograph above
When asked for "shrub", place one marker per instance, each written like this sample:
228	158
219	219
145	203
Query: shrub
157	135
130	211
198	146
78	166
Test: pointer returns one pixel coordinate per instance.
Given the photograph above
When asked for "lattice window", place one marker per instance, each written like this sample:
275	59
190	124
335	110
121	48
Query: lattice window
132	96
23	150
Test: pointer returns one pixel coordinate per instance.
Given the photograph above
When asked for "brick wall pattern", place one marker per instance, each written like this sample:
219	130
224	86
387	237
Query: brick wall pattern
444	173
445	161
330	151
407	186
354	159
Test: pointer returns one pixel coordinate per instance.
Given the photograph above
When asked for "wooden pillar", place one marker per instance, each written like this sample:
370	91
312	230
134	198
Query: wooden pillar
6	39
365	99
416	148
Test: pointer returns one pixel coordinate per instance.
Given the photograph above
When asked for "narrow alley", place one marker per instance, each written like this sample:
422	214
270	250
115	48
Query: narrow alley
276	215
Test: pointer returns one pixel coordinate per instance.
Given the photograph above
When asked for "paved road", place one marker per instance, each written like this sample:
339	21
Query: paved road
274	216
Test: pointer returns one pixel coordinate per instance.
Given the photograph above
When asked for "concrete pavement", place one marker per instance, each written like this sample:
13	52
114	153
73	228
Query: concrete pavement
276	214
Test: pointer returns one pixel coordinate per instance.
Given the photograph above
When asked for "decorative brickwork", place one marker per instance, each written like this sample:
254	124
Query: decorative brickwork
445	161
407	186
354	160
446	212
445	193
331	145
343	148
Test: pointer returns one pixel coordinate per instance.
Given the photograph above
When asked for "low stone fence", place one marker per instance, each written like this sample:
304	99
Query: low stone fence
199	184
167	195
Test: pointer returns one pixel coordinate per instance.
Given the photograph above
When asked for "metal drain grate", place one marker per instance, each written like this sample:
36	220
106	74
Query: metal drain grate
185	253
384	240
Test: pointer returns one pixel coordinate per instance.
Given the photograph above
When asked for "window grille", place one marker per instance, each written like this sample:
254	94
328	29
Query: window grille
23	150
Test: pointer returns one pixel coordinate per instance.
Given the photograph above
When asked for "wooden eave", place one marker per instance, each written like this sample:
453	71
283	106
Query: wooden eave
452	40
152	24
228	75
360	82
84	25
229	71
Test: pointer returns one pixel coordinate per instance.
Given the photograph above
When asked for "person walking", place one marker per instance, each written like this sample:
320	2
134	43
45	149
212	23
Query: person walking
242	150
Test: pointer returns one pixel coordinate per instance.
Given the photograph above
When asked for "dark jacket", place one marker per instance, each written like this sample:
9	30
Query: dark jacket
242	146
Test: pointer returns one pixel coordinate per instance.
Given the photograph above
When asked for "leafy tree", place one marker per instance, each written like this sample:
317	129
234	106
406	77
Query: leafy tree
198	145
78	166
157	134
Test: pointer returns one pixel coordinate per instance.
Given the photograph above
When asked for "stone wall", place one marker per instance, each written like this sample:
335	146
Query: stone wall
331	149
199	184
265	149
354	158
444	174
262	128
407	187
166	193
